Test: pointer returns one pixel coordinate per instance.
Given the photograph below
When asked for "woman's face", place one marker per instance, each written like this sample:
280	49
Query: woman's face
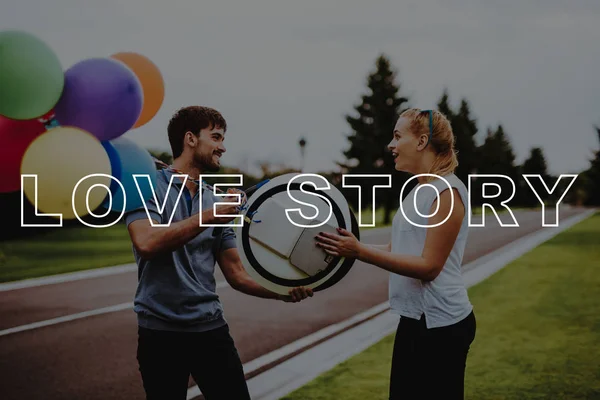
404	146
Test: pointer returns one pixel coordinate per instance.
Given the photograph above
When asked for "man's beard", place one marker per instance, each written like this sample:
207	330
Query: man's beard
205	163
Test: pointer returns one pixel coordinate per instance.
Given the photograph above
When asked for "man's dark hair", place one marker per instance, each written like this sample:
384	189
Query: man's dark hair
192	119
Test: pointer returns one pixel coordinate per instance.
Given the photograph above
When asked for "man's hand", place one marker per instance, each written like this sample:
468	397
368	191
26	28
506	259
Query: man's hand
243	196
237	277
231	209
296	295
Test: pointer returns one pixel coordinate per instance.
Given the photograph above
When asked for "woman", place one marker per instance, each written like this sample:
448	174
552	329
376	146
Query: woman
424	256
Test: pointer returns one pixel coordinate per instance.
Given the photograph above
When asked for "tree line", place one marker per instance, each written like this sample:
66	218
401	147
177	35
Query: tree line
372	124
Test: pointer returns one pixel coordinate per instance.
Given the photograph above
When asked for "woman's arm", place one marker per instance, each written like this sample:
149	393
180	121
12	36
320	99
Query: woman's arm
382	247
438	244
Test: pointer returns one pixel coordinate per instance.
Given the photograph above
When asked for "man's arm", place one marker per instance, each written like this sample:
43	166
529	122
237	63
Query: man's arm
237	277
150	241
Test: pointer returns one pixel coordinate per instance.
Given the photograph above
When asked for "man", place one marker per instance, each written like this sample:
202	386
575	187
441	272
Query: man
181	328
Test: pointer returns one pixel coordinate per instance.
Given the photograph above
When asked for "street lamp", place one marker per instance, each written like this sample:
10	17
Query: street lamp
302	144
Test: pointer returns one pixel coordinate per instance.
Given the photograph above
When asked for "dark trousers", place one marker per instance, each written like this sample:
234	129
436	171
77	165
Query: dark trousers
430	363
166	360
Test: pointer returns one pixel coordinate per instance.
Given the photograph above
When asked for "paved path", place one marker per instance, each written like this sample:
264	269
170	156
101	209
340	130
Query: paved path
94	357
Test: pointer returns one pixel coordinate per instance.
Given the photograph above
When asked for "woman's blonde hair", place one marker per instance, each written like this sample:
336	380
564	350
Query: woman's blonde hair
441	141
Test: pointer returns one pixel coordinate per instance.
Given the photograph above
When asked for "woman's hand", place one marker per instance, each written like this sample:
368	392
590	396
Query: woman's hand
345	244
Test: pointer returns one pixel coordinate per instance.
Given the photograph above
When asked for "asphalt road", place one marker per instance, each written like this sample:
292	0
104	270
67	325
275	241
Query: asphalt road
94	357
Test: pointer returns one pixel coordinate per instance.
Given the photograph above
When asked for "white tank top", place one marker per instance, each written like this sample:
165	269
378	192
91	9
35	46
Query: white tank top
444	301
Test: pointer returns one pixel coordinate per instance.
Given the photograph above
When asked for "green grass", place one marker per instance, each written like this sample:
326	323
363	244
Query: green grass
379	217
538	331
64	250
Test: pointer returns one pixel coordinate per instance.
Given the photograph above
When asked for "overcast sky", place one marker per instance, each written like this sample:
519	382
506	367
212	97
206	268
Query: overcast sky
279	70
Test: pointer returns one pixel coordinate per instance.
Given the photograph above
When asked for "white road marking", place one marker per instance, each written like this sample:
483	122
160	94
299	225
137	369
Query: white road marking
73	276
66	318
81	315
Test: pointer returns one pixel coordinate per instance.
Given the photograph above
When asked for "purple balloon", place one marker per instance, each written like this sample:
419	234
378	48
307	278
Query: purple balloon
102	96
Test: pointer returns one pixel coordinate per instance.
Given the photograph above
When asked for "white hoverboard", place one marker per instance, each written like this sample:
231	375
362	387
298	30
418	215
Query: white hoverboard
280	255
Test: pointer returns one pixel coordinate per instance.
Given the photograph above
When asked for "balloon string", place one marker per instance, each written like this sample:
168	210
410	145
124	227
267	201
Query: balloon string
49	120
52	124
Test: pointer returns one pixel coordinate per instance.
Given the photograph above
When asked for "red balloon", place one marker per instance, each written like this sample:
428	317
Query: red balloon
15	138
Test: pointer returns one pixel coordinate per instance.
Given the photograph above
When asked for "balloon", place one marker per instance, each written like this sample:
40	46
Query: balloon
31	76
115	164
151	80
60	158
15	137
101	96
134	160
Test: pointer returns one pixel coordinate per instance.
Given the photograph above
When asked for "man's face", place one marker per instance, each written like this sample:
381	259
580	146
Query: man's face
209	149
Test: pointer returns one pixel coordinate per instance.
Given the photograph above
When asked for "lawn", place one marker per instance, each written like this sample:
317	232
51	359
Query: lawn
64	250
538	331
367	215
74	249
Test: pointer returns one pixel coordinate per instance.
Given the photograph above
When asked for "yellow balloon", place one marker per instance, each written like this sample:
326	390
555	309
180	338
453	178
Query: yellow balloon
60	158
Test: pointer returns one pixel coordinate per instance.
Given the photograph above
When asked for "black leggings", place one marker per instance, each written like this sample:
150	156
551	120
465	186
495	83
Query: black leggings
166	360
430	363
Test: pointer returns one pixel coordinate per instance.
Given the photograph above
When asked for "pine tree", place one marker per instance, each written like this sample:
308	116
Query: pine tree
371	132
444	106
465	129
592	176
535	164
497	154
497	157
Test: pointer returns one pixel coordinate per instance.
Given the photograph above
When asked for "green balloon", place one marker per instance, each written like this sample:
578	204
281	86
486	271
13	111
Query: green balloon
31	76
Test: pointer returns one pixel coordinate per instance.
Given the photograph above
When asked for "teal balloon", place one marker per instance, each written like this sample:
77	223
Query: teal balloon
115	165
133	160
31	76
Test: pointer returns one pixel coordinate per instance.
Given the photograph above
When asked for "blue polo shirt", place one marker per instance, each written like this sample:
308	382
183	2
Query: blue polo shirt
177	290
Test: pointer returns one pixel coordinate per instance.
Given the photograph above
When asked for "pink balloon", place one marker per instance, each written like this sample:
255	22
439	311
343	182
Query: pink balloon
15	138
